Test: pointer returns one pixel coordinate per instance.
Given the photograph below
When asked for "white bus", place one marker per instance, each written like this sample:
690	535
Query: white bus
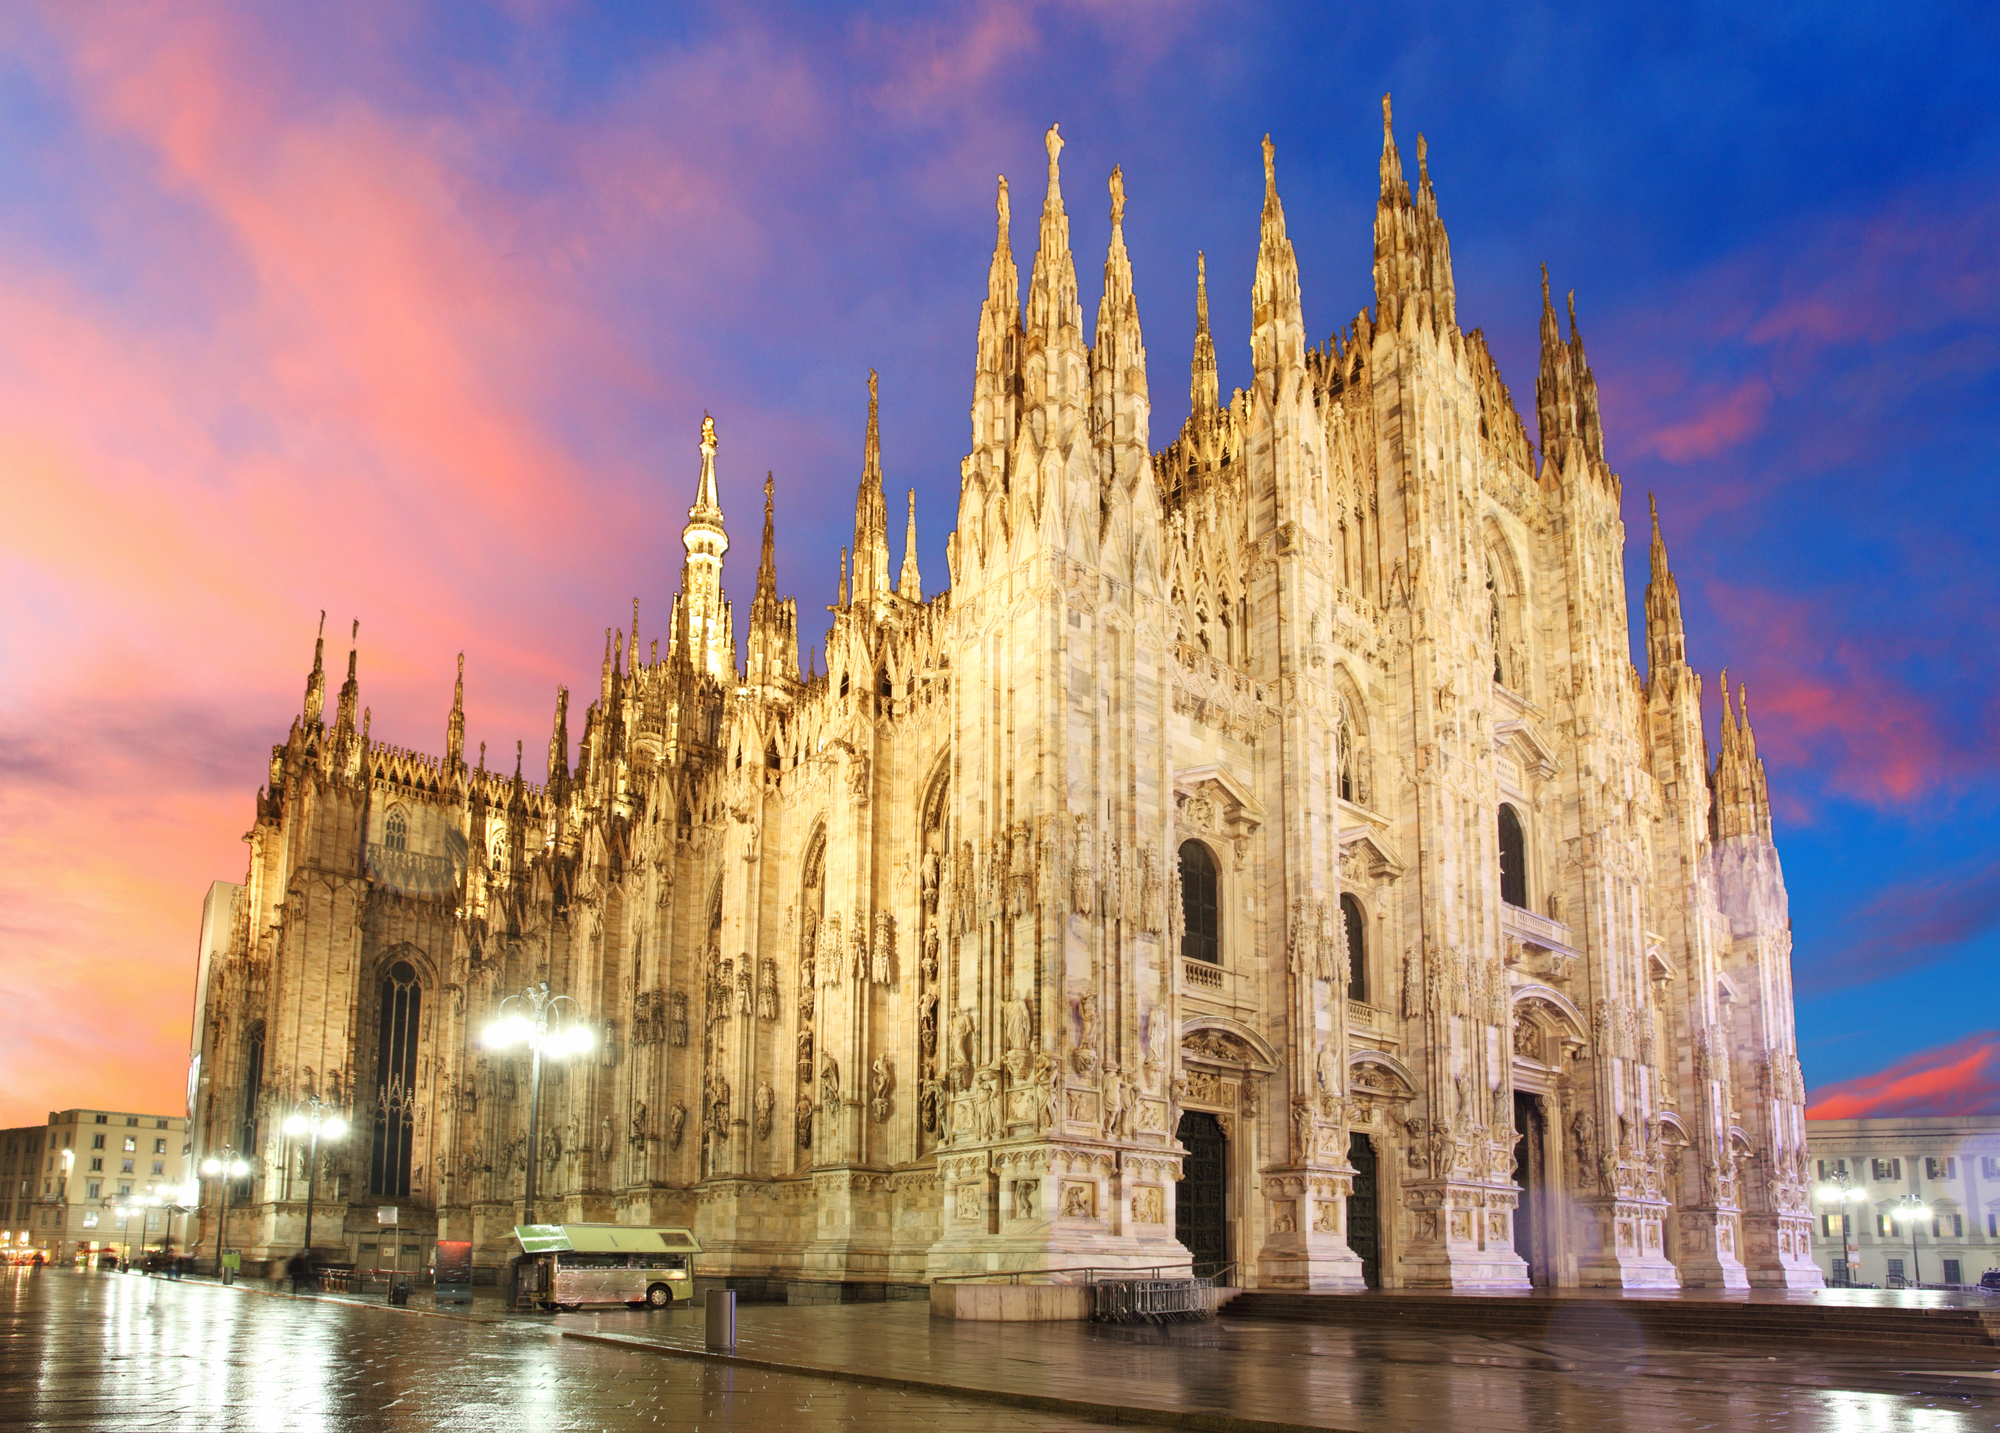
565	1266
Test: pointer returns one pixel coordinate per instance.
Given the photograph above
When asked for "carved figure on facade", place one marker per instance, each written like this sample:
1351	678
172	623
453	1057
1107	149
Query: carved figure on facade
881	1082
1085	1056
767	988
829	1083
765	1106
964	1027
883	953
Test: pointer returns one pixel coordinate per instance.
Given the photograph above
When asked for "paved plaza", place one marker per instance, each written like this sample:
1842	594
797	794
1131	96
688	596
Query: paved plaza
116	1352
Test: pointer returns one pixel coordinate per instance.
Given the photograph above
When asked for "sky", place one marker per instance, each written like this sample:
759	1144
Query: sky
410	312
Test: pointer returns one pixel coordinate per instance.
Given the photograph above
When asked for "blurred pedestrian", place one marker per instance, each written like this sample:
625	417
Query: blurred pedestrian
300	1269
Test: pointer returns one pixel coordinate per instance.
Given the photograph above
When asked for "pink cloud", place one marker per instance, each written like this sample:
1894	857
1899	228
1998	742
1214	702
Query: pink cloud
1962	1078
1827	699
1731	419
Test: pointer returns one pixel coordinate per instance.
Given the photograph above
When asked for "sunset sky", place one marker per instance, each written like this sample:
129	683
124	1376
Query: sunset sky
412	315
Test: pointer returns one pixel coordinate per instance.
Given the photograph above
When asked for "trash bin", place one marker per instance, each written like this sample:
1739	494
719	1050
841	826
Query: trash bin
400	1295
721	1318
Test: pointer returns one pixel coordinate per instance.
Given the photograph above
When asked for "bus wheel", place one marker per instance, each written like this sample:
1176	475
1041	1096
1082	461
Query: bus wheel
659	1296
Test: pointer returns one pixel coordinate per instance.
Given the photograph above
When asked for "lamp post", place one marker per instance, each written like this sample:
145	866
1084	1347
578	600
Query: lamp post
536	1021
317	1119
1910	1209
1838	1190
224	1168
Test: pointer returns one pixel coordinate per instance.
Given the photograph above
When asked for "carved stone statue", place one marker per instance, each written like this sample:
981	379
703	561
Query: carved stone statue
881	1080
829	1083
1085	1057
766	1105
964	1026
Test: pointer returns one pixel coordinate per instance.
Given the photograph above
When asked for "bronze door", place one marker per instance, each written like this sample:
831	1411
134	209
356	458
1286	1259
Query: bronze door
1364	1233
1200	1204
1532	1177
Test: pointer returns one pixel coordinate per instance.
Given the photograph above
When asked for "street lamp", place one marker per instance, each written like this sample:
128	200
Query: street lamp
534	1022
1910	1209
316	1118
1838	1190
225	1168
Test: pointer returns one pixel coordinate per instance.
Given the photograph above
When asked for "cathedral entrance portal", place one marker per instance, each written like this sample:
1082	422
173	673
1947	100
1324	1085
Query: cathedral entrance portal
1364	1232
1531	1174
1200	1206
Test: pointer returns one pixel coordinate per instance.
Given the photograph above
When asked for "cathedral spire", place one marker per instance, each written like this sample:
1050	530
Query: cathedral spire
871	511
1412	251
1555	398
559	742
350	690
1278	332
632	647
1119	401
773	656
1588	424
454	738
1666	638
1204	385
997	372
910	583
315	704
1742	797
767	558
1055	317
703	609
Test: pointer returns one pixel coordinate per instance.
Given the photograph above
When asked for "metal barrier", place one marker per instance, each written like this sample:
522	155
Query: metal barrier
1123	1295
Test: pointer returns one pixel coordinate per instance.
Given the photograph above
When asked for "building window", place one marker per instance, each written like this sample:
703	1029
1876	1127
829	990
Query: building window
1200	906
1993	1225
396	1079
159	1166
160	1124
1885	1169
102	1119
1948	1225
253	1087
1884	1225
97	1165
97	1141
1895	1268
1513	858
1826	1229
132	1120
1952	1273
131	1146
125	1166
123	1187
396	830
1946	1168
1830	1167
159	1146
1357	948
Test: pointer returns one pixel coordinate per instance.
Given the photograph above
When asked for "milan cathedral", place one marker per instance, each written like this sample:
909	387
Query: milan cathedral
1264	852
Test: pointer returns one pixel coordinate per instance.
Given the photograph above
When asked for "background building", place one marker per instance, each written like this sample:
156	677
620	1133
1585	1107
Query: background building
1264	849
1951	1165
78	1181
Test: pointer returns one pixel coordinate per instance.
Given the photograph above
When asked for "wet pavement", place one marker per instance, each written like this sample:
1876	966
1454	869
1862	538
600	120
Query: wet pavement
117	1351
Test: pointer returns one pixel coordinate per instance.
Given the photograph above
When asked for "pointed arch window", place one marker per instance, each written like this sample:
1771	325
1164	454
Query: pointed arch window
1344	750
1201	908
399	1022
1513	858
253	1091
1357	948
396	830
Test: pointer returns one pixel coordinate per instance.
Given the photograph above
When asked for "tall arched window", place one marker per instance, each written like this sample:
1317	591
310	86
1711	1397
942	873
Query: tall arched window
1513	858
395	1080
1357	948
396	830
1344	749
253	1090
1201	924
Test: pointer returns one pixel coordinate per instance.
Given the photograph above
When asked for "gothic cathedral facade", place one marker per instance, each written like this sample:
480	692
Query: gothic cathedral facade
1265	852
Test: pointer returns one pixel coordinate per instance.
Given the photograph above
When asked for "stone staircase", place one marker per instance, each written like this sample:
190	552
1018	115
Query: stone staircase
1949	1332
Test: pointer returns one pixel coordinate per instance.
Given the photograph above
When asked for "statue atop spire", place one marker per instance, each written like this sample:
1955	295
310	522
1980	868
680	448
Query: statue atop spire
1204	385
909	583
1278	335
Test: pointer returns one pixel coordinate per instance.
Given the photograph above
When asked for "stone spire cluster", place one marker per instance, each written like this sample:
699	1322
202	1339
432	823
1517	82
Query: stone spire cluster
1412	252
1565	389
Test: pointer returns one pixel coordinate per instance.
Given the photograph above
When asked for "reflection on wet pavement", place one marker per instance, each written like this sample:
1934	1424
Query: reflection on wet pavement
117	1351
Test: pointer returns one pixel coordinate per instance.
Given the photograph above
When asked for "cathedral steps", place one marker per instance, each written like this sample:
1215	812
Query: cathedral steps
1942	1331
